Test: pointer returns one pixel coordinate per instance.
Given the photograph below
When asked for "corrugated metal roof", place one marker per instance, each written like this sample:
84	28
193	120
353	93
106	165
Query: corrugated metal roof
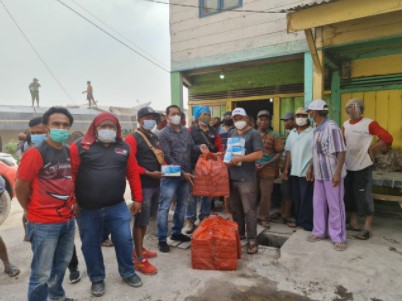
308	4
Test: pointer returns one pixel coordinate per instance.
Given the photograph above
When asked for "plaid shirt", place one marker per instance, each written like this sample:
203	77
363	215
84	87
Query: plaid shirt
177	147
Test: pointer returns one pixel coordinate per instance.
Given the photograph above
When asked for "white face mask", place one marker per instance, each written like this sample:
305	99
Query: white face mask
175	119
301	121
240	124
107	135
149	124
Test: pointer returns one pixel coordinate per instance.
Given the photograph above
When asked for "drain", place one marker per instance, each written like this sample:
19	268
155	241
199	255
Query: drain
271	240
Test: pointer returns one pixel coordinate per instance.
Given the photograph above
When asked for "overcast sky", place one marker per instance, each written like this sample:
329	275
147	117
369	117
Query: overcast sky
76	52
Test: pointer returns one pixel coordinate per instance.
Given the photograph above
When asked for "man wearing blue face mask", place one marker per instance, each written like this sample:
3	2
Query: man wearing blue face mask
45	189
101	163
144	144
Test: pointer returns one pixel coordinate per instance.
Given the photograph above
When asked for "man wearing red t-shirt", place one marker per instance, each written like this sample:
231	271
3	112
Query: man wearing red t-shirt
45	189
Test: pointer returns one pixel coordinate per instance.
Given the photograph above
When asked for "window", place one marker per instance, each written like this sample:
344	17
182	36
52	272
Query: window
210	7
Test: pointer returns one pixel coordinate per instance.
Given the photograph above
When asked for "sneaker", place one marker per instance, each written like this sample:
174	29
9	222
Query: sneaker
163	247
145	267
189	227
180	237
98	288
75	276
148	254
134	280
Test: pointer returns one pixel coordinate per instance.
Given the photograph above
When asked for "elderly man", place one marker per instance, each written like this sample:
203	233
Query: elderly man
328	170
45	191
268	166
359	132
299	157
202	133
101	161
177	145
243	179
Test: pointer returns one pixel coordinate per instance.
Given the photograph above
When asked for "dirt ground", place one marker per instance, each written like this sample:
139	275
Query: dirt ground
298	272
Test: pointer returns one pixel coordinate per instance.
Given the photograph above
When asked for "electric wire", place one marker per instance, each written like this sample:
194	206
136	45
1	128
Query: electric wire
36	52
118	33
113	37
219	10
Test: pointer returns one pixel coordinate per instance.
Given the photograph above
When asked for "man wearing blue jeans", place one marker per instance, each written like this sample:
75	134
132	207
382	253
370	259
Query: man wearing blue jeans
178	146
101	161
44	189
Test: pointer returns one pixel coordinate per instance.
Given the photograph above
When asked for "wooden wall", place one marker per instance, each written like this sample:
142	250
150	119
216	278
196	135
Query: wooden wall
228	32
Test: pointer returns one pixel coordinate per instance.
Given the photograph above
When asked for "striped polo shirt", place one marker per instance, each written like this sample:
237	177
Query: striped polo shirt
327	142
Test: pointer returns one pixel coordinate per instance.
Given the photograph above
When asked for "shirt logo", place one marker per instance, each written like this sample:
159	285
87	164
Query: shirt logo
120	151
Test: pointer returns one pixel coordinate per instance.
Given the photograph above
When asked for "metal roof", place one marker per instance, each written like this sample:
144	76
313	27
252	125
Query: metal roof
308	4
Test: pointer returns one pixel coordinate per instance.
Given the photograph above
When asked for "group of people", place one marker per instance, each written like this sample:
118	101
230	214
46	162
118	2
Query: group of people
34	91
85	182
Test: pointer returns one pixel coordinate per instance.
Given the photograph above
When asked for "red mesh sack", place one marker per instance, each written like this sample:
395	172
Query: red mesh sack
211	177
215	245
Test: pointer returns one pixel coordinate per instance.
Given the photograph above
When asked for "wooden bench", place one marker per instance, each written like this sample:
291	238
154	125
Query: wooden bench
391	181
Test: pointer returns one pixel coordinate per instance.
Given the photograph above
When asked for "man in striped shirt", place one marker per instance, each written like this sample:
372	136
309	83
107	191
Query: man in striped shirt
328	171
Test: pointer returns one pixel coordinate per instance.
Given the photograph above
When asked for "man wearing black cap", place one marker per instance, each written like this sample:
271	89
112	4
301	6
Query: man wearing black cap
142	143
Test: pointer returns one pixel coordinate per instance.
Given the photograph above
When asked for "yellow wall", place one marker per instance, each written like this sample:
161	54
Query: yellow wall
383	106
384	65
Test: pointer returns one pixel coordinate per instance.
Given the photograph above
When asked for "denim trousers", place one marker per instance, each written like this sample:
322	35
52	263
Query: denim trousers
52	247
205	210
91	225
171	187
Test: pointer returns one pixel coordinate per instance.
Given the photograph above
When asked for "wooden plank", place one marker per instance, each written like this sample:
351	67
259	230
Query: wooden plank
382	105
277	111
339	11
395	117
318	78
313	50
357	30
385	65
345	97
369	104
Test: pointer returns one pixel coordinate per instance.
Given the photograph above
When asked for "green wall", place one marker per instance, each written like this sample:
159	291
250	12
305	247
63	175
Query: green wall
267	75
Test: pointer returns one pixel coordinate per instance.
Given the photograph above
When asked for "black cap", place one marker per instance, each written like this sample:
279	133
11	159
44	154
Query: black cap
288	115
146	111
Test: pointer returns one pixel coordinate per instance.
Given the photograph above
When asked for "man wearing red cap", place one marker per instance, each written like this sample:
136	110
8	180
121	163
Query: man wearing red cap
101	161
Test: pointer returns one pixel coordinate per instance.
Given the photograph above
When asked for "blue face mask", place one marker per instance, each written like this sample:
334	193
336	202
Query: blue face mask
149	124
37	138
59	135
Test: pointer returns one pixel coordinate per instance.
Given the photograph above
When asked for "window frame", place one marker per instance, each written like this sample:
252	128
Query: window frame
220	8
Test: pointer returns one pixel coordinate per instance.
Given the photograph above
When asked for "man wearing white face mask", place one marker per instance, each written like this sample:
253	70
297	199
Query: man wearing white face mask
299	156
177	145
101	162
243	179
143	143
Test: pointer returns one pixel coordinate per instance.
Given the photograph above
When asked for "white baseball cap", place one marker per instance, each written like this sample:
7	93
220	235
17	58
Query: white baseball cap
317	105
239	111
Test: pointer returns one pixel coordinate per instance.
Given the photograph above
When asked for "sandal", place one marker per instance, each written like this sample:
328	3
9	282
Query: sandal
313	238
275	216
339	246
278	220
364	235
351	228
264	223
252	248
292	225
12	270
107	243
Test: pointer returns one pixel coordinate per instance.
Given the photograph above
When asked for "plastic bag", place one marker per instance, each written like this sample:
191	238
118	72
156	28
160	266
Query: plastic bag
215	245
211	176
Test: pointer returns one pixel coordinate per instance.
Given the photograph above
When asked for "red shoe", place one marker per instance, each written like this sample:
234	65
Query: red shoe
145	267
148	254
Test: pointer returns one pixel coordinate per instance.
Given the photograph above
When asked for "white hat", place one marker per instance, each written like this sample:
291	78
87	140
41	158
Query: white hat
317	105
239	111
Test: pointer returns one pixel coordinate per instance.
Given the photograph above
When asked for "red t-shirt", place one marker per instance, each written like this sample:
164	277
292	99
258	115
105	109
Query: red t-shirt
49	172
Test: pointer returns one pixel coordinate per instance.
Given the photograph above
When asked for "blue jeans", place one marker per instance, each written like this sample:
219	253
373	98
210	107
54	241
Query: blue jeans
52	247
192	208
169	188
91	225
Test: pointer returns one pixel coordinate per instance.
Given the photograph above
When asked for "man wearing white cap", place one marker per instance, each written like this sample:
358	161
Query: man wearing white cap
329	172
243	179
359	132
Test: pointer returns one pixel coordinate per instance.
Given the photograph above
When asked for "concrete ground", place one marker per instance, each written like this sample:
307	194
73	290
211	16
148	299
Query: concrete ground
367	270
